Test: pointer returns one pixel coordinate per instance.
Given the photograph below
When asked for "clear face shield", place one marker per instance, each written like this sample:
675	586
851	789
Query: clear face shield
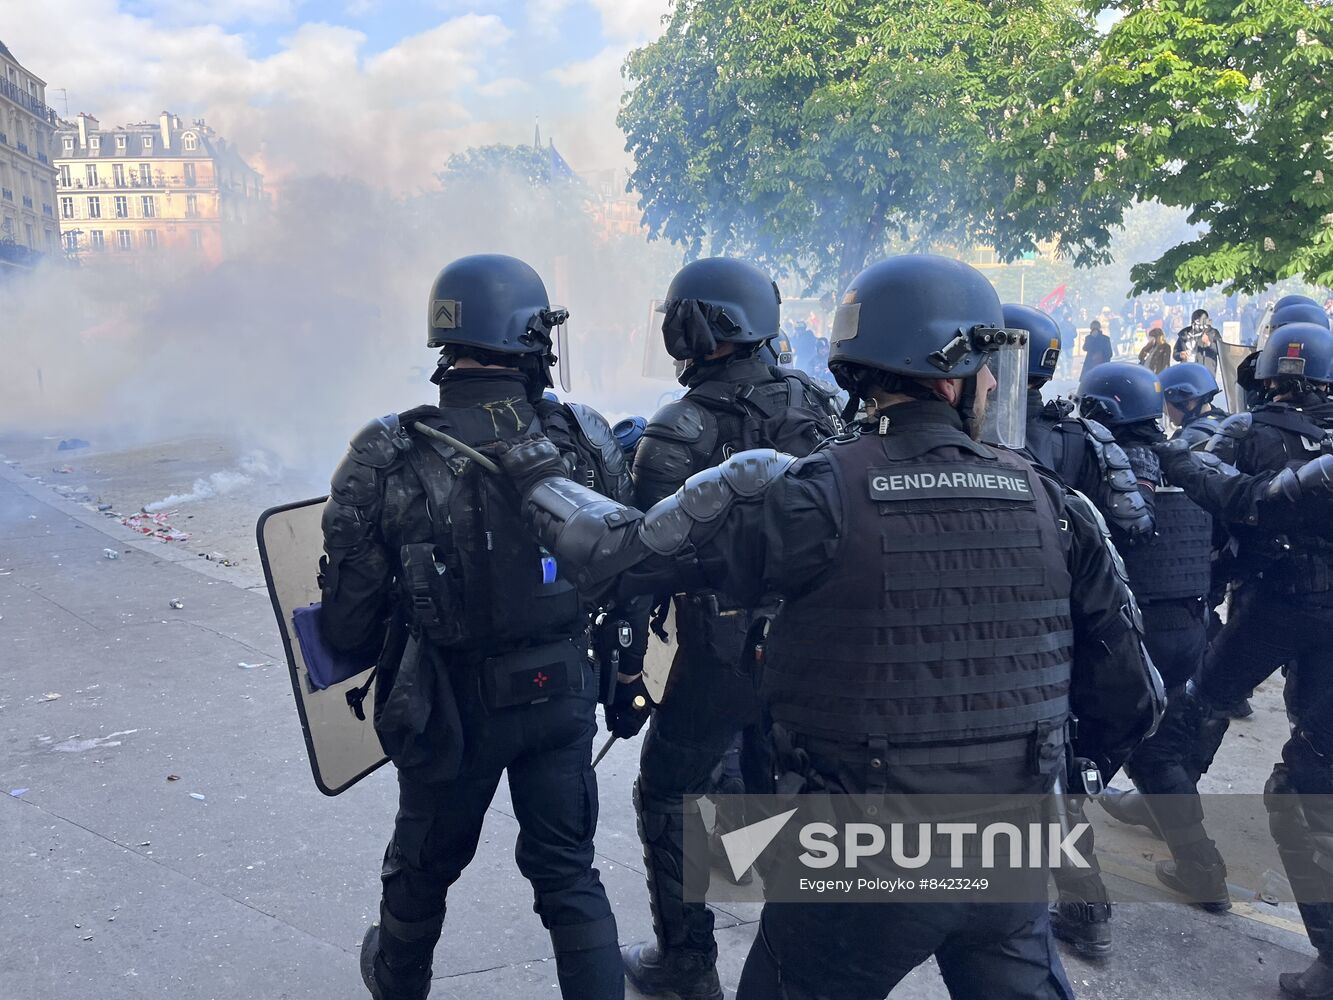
1004	419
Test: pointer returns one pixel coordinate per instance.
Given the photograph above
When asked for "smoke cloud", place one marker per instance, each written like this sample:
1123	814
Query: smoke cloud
315	325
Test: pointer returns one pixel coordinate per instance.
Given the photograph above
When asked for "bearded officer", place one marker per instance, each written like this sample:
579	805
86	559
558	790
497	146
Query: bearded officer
720	314
483	667
907	593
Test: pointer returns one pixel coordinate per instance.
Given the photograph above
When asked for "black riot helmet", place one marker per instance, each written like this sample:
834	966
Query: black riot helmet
718	300
1186	383
923	317
1299	351
1293	299
494	308
1118	393
1043	339
1298	312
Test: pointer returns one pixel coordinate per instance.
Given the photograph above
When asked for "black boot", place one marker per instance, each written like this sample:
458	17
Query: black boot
1237	710
1313	983
396	957
1205	884
1085	926
675	975
1129	807
370	947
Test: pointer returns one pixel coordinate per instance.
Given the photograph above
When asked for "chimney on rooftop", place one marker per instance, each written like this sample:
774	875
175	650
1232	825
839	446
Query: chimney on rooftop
164	120
87	124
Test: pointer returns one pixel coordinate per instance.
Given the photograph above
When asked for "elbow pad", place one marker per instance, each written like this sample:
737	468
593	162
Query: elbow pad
1313	479
580	526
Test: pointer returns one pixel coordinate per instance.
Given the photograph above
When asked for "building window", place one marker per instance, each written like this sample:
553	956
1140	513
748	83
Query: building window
95	143
90	174
190	142
69	144
32	239
192	206
64	175
121	143
96	240
118	174
196	239
122	207
94	208
72	242
145	174
189	174
148	144
150	239
67	208
149	206
124	240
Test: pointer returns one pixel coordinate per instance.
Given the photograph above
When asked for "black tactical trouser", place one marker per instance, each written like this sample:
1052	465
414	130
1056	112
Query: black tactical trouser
708	702
1176	636
546	749
861	951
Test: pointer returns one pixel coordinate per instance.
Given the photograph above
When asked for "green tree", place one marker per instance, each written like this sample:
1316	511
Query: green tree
1219	107
814	136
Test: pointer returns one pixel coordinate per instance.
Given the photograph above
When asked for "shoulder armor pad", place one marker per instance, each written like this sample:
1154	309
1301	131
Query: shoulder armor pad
1080	506
380	443
681	420
597	433
1228	436
1098	432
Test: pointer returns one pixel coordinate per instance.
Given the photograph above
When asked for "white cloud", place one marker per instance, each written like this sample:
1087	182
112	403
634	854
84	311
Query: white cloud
632	20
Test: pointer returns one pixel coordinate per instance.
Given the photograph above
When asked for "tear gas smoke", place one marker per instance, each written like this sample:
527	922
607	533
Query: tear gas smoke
314	324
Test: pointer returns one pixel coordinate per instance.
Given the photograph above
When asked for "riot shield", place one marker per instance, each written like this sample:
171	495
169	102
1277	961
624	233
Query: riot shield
342	748
1229	358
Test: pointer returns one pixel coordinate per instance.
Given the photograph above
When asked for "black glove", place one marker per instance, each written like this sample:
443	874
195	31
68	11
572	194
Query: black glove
1177	459
629	709
528	460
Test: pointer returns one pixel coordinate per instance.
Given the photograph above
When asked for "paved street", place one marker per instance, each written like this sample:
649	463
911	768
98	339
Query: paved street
162	837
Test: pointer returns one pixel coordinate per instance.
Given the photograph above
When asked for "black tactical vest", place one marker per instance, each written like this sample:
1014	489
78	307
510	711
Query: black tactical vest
945	622
1177	563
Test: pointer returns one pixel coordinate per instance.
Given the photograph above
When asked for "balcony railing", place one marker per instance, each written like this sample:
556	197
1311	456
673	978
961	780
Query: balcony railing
25	100
157	184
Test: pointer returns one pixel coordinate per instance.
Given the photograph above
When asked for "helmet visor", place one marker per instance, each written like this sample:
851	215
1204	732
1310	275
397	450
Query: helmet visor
1004	420
560	346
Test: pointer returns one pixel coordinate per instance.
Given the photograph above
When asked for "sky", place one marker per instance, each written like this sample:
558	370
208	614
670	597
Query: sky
382	90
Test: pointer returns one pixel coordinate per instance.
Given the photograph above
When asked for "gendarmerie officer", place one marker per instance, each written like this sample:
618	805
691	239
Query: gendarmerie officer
484	664
1080	451
720	314
1282	613
1171	576
918	567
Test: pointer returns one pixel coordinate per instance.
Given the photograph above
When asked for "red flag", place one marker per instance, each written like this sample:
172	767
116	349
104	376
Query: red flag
1055	298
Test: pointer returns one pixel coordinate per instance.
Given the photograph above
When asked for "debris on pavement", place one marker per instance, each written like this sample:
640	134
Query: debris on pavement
110	554
51	696
72	444
176	603
104	507
218	557
155	526
173	777
63	469
197	795
18	793
253	666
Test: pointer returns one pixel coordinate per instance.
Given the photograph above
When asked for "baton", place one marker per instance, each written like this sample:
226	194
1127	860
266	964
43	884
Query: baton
458	446
639	703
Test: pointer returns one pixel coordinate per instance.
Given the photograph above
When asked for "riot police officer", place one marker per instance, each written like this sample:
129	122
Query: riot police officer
1171	578
1283	610
1080	451
1188	390
902	552
483	667
1087	458
719	315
